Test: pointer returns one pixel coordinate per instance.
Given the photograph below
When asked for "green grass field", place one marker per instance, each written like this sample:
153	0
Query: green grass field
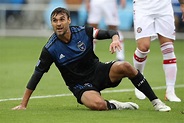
54	103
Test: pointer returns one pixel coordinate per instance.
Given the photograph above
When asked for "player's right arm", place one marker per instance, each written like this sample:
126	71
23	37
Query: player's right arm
24	101
42	66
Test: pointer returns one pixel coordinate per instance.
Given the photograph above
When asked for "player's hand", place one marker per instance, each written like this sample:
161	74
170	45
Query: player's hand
115	45
19	107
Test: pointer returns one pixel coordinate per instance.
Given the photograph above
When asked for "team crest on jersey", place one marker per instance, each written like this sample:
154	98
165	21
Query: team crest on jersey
139	29
81	46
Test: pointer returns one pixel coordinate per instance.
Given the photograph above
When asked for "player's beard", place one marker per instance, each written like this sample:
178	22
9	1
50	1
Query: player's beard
62	32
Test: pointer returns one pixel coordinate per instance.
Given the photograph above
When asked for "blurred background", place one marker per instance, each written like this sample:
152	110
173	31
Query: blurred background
32	17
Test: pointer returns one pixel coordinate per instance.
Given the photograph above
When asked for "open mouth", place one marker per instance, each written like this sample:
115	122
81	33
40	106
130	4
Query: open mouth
59	29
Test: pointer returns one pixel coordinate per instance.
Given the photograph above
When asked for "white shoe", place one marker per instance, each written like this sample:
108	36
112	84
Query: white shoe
172	97
124	105
160	106
139	94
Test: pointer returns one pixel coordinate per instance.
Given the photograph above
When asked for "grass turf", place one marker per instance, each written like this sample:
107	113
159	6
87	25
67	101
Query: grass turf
18	56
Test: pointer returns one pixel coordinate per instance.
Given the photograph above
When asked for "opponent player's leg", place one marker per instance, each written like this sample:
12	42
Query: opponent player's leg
94	18
112	20
120	70
120	55
144	30
140	58
169	67
166	34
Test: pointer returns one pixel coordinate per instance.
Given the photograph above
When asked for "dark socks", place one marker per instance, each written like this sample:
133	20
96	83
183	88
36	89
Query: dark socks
141	84
110	106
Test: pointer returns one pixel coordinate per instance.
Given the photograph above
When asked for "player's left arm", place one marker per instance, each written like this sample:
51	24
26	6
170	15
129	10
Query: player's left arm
106	34
109	34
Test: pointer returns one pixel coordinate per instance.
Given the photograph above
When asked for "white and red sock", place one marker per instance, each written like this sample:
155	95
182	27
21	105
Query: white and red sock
139	59
169	65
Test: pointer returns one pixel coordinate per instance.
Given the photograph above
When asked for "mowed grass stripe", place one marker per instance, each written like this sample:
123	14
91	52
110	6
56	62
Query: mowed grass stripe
105	91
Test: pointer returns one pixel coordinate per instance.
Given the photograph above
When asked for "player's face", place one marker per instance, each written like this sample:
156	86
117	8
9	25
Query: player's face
60	23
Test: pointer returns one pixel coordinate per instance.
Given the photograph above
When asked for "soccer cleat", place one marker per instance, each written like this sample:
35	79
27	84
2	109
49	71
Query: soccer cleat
139	94
172	97
160	106
124	105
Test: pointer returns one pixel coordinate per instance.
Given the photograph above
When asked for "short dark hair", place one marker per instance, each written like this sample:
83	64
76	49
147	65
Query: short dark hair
60	10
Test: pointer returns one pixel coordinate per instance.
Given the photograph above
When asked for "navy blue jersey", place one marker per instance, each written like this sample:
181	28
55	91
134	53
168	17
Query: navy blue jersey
75	60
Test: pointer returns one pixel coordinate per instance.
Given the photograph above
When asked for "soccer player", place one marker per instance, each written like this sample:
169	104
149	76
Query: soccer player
71	49
151	21
108	11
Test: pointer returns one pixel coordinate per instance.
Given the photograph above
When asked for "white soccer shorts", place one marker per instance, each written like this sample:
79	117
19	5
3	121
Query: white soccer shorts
146	25
107	11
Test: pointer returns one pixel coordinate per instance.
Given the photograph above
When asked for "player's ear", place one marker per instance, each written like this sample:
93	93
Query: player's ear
69	20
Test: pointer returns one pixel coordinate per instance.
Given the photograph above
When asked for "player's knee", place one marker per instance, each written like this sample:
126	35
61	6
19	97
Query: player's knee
144	46
143	49
125	66
127	69
122	67
142	52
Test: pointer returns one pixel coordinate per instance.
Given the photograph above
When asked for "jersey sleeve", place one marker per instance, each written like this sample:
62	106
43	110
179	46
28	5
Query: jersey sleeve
104	34
43	65
100	34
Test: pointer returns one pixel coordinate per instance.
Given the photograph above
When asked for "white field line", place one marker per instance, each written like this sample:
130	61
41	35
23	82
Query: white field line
106	91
